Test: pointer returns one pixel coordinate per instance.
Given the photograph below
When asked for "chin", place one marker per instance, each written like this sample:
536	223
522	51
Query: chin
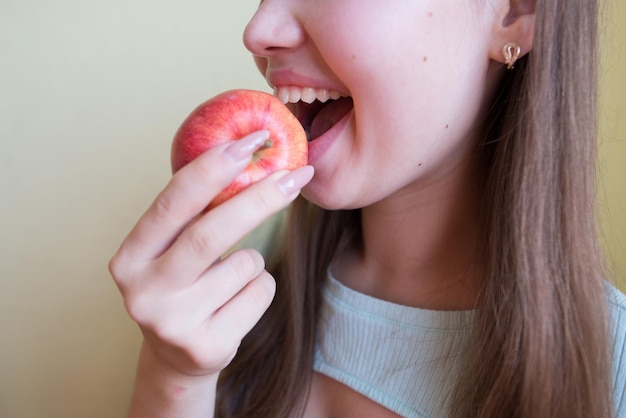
329	201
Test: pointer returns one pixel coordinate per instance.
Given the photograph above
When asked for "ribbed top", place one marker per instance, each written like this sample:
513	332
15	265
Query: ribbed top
407	359
617	309
401	357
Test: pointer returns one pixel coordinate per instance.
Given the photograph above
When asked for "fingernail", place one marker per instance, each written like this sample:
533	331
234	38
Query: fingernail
291	183
242	149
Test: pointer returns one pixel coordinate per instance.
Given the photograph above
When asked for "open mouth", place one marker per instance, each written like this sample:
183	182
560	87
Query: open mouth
318	110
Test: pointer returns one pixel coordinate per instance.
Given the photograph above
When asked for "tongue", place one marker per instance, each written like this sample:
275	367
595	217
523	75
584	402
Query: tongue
329	115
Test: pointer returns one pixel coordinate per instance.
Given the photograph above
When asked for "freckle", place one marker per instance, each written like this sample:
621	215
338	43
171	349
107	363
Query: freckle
419	165
430	14
447	126
425	58
353	57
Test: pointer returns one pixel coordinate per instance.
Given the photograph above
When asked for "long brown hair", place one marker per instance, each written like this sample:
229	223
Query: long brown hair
540	347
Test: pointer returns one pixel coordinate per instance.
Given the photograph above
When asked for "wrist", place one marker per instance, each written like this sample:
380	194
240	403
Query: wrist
162	391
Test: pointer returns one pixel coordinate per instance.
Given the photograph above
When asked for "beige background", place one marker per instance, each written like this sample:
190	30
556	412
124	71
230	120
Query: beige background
90	95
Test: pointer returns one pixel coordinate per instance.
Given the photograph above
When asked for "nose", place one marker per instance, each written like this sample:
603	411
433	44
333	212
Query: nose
273	29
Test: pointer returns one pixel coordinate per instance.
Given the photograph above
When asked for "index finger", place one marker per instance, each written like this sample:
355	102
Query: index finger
214	233
186	195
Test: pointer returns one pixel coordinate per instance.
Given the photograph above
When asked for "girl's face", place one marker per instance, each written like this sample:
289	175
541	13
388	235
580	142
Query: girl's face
414	76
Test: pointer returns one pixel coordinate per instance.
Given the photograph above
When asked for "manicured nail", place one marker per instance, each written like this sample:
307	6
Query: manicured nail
243	149
291	183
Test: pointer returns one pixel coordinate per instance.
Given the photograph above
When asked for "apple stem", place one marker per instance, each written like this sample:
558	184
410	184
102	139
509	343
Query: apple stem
266	145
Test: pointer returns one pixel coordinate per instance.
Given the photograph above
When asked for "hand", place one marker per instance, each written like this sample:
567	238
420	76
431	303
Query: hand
193	307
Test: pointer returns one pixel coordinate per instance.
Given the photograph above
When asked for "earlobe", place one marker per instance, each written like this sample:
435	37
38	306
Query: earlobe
513	32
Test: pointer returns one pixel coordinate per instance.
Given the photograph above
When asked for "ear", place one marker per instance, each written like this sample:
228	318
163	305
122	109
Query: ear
515	23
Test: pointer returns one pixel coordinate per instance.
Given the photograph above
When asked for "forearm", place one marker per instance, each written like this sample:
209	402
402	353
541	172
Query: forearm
161	393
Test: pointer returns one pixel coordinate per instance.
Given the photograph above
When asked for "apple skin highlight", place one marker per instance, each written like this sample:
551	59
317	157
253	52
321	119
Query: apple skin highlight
232	115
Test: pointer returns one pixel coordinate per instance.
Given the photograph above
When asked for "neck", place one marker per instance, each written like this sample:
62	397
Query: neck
420	245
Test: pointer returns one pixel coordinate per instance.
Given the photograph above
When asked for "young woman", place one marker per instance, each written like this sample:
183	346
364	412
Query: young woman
443	261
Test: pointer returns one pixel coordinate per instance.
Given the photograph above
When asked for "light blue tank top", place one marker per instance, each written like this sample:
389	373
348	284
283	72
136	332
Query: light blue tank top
407	359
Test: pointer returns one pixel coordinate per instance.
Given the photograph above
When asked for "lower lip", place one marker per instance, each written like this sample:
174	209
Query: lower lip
318	147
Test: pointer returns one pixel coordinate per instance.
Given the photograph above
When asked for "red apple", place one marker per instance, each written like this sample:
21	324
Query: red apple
232	115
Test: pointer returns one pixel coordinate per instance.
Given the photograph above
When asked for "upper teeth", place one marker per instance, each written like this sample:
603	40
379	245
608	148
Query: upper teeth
292	94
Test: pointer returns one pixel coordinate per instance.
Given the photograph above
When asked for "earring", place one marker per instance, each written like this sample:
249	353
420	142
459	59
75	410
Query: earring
511	52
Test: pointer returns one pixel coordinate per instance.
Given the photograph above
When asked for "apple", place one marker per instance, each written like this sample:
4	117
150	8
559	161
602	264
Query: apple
232	115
